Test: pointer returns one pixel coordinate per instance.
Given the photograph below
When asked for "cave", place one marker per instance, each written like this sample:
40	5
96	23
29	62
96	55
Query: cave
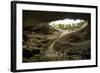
36	23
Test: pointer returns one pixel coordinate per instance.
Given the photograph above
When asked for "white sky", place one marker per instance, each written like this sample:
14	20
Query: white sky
66	21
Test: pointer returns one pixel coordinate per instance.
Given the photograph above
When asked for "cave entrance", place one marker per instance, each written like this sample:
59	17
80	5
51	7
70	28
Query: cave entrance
67	24
48	35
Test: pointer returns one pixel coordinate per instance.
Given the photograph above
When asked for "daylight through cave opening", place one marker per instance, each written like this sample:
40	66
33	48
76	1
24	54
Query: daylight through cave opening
55	36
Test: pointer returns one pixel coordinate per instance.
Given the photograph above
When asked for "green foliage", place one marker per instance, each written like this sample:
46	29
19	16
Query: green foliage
68	26
61	26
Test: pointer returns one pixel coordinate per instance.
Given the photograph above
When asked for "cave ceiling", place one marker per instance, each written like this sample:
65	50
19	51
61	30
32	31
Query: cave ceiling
36	17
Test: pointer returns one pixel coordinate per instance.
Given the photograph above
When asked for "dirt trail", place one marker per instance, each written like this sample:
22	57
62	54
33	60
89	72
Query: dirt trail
50	50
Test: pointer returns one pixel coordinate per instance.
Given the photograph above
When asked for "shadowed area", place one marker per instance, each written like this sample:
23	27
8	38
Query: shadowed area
42	42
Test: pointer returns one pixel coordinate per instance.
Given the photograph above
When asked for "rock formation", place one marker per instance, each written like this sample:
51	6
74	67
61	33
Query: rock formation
44	43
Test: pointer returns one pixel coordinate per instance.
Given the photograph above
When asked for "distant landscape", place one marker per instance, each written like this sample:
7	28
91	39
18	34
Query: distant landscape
56	36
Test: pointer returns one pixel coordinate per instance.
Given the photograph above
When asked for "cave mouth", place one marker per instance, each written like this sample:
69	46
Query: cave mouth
51	36
67	24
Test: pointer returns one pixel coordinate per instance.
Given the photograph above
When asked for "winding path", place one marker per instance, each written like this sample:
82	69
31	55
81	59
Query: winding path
50	51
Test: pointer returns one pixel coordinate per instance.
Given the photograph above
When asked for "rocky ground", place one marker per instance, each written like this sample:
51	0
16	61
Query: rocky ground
45	46
35	46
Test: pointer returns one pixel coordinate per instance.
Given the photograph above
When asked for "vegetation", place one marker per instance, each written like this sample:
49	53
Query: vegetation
72	26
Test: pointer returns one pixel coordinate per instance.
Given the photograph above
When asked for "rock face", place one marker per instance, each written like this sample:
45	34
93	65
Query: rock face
36	44
75	43
43	43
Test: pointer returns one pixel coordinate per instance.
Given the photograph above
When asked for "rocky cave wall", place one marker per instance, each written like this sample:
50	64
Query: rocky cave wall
39	21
